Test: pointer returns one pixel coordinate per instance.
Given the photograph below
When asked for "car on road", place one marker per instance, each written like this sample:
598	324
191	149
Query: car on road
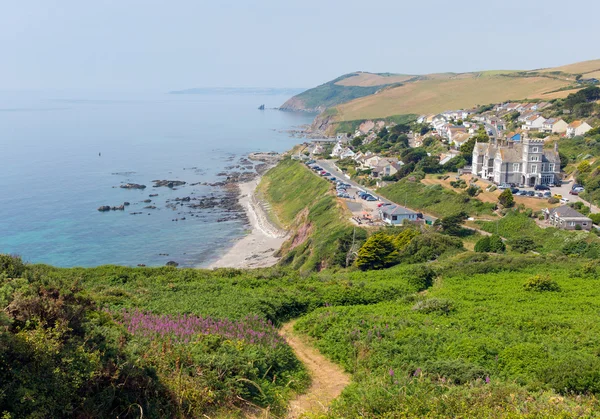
503	186
370	198
325	174
310	162
541	188
564	200
573	192
530	193
514	190
547	194
332	178
317	168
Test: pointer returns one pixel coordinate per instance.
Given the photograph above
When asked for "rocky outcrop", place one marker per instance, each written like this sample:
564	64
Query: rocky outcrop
172	263
132	186
105	208
296	104
168	183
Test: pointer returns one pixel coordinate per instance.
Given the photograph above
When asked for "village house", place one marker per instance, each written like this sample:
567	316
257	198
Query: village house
453	131
534	123
525	163
460	138
449	155
577	128
395	215
566	218
386	167
342	152
554	125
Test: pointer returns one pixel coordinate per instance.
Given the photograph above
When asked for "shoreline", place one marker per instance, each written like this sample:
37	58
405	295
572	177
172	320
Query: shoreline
256	249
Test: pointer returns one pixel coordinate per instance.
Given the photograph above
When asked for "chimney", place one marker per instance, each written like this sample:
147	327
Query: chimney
556	146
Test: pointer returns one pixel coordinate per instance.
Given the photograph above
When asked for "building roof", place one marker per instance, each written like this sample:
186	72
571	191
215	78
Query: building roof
575	124
396	210
566	211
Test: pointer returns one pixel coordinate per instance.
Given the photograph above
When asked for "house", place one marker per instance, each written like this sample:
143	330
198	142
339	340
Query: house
554	125
513	136
395	214
566	218
386	167
460	138
453	131
534	123
446	157
577	128
525	163
341	151
524	115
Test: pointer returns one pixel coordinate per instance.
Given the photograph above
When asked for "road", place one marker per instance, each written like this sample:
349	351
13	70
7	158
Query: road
329	165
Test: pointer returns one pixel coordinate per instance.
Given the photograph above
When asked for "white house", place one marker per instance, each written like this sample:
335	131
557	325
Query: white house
534	123
577	128
554	125
460	138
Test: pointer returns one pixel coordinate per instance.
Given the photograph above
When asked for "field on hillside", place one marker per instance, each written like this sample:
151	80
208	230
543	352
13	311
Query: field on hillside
577	68
370	79
437	95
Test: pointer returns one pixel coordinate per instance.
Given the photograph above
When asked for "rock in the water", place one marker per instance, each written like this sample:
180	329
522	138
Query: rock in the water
126	203
172	263
153	195
132	186
104	208
147	201
168	183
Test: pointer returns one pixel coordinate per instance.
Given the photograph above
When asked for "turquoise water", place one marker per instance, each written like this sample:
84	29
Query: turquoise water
53	178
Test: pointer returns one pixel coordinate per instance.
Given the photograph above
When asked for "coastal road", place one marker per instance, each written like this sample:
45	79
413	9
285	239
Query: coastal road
330	166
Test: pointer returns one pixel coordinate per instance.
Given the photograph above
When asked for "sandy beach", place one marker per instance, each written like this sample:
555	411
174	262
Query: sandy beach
257	248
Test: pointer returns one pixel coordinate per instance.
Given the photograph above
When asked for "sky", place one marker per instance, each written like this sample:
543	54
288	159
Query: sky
178	44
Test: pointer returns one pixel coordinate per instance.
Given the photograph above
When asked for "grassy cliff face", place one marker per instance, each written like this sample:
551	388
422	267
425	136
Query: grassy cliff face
305	204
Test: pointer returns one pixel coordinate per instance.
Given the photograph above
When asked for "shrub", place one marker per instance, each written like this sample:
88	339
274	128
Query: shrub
456	371
12	265
421	277
541	283
506	199
523	244
483	245
553	200
428	247
434	305
496	244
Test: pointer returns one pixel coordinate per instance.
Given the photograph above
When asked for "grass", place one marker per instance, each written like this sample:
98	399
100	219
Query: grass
305	204
372	79
433	199
475	345
576	68
516	225
437	95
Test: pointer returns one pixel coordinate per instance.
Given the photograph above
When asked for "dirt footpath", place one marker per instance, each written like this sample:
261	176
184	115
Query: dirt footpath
328	379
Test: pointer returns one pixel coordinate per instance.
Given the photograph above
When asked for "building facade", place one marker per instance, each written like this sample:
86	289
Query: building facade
525	163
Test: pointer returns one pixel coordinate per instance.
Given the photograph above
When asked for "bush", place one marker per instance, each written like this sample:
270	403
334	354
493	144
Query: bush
434	305
541	283
523	244
421	278
553	200
496	244
456	371
427	247
506	199
11	265
483	245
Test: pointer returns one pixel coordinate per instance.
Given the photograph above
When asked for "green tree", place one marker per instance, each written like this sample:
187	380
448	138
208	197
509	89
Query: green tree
483	245
496	244
378	252
452	224
523	244
506	199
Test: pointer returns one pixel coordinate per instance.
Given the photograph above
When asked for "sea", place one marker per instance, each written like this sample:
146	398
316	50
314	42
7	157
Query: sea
63	154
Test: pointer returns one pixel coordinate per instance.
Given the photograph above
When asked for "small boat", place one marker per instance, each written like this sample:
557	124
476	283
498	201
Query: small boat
261	107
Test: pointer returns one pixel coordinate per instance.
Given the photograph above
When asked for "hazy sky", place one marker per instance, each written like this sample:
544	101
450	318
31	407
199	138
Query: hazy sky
280	43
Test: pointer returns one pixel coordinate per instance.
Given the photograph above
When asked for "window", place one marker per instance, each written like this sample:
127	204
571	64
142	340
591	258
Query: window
585	224
515	167
534	149
534	168
551	167
535	158
394	217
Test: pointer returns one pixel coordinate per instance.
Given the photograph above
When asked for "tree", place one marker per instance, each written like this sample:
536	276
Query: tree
356	141
506	198
496	244
483	245
452	224
466	150
523	244
378	252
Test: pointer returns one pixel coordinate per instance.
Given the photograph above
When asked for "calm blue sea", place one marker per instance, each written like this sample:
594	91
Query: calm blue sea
52	178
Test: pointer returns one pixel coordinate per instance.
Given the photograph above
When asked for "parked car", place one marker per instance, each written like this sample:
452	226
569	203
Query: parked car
557	196
370	198
325	174
541	188
530	193
332	178
503	186
514	190
564	200
310	162
547	194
